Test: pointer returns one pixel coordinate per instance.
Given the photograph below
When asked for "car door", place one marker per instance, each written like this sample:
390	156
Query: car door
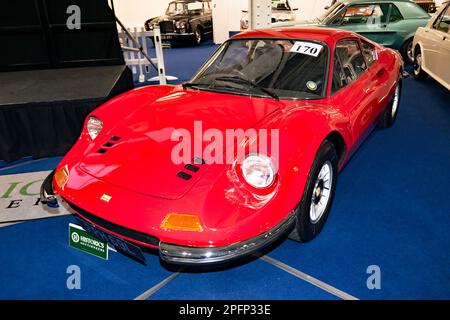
367	19
195	13
380	84
207	17
436	47
352	89
395	25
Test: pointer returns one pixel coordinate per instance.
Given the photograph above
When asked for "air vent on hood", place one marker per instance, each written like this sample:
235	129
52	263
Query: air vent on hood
199	160
115	138
184	175
191	167
102	150
108	144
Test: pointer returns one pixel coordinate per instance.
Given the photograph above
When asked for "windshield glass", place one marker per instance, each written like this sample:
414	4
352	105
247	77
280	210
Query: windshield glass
175	8
331	12
287	69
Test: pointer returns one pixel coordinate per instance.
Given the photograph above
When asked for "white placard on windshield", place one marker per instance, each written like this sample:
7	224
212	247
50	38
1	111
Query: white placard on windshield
309	48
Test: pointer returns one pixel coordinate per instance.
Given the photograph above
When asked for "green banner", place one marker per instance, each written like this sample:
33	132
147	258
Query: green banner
81	240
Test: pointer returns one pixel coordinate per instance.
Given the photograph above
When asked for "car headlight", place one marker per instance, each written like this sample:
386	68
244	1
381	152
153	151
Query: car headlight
180	24
94	126
258	171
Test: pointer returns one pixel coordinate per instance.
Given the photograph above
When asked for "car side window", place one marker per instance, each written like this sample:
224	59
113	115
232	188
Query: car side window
339	80
348	64
364	14
443	22
395	14
369	51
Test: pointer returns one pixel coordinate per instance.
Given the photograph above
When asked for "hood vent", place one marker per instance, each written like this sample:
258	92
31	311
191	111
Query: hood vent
192	168
108	144
184	175
199	160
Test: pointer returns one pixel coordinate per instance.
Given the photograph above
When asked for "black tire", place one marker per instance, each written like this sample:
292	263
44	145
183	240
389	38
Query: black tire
406	51
390	114
198	36
418	72
306	228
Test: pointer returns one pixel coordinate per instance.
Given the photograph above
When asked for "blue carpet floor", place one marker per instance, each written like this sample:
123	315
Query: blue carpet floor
390	210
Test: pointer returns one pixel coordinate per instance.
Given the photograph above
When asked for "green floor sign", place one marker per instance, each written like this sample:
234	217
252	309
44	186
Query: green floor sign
81	240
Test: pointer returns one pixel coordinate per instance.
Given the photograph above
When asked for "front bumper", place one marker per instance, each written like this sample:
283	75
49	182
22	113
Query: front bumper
47	196
177	38
201	256
177	254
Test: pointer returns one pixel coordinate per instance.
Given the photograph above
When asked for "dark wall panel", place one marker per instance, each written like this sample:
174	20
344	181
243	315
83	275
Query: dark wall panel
34	35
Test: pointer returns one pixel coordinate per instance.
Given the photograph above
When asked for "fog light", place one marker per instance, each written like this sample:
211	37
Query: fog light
184	222
62	176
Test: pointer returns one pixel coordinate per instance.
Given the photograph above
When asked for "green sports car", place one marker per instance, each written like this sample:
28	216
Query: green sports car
391	23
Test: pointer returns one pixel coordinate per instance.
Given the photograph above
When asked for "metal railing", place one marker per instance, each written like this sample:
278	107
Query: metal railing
136	53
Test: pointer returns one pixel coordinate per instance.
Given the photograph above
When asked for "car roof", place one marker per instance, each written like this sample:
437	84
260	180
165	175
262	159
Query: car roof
327	35
188	1
368	1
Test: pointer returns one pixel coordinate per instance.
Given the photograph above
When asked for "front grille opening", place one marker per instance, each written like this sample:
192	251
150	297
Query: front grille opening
129	233
166	27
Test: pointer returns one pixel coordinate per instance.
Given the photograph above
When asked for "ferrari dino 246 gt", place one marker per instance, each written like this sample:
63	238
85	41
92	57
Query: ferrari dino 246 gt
318	91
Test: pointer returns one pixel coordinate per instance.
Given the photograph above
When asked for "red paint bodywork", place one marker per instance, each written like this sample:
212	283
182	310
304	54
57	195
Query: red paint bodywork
137	172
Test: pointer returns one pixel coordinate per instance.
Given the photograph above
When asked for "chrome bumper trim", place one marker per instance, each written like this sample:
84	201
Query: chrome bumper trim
46	194
204	255
178	34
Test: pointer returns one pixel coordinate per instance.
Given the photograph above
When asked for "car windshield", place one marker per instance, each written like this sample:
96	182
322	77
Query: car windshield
175	8
280	68
331	12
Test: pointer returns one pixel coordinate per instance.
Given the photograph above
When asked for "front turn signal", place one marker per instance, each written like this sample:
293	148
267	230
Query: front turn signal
62	176
183	222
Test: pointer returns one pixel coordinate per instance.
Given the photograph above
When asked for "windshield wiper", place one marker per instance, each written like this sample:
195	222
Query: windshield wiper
193	84
239	79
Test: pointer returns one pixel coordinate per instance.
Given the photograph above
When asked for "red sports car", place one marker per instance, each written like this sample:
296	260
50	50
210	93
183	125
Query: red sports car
248	151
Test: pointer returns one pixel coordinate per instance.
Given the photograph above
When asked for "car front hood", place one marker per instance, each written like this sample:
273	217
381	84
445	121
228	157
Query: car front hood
143	159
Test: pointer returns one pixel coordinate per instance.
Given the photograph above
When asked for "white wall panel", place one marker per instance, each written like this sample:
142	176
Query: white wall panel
134	13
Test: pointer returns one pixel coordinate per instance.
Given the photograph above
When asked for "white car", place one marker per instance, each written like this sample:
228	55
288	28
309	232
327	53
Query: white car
432	48
281	12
